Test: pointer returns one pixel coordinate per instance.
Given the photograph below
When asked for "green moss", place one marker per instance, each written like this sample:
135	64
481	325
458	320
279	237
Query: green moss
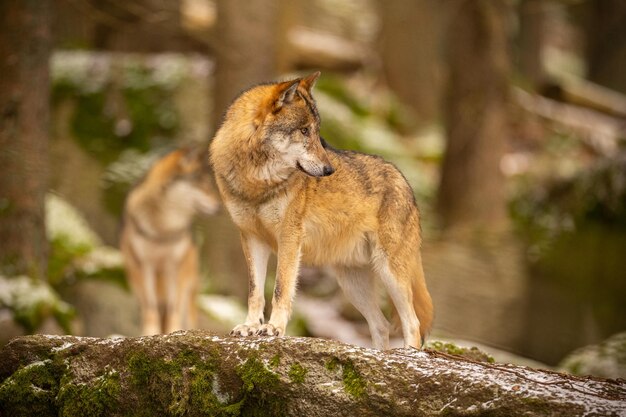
186	382
275	361
204	394
472	353
255	375
259	385
31	390
332	364
353	382
160	381
297	373
96	398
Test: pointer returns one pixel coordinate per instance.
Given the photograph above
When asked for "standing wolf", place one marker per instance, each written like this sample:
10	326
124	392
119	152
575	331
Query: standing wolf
290	193
160	257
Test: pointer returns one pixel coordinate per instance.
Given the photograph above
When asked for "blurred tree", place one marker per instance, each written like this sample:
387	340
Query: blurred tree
24	114
290	11
604	23
128	26
409	49
247	35
531	35
471	191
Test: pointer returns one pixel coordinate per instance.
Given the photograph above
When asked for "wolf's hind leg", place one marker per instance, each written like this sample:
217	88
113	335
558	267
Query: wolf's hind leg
397	281
257	253
359	286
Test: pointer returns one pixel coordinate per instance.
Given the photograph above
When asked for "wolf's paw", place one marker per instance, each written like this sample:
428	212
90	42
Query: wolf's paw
245	330
270	330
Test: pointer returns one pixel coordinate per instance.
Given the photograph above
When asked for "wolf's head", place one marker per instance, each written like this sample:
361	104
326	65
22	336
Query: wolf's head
283	125
192	180
290	124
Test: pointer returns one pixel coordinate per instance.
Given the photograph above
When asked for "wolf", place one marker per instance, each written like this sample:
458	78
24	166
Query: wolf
160	257
291	193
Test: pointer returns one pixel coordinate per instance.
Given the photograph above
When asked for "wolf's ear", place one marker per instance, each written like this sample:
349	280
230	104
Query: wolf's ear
309	82
287	91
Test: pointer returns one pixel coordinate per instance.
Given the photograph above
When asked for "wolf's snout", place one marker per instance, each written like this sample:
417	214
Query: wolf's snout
328	170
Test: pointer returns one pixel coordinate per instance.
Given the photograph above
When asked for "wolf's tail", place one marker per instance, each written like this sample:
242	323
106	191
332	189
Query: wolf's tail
422	304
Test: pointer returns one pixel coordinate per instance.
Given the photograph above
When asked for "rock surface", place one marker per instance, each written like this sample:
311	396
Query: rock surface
197	373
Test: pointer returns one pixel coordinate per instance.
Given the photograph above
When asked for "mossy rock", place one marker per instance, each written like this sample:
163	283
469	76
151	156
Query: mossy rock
606	359
199	374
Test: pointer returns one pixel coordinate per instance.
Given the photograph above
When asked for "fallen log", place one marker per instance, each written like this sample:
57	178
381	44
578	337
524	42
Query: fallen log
197	373
586	94
601	132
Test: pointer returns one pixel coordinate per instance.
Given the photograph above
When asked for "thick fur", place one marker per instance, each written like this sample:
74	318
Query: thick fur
160	257
290	193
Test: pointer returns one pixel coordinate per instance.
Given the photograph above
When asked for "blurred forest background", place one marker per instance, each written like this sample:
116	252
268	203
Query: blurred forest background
508	118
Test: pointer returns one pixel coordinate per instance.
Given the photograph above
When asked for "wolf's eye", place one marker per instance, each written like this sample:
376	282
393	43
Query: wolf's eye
305	131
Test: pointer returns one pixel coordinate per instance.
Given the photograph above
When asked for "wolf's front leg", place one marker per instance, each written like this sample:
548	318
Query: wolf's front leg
151	323
285	288
257	254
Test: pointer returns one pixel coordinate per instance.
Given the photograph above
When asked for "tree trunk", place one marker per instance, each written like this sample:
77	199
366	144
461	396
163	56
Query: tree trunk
197	374
530	41
24	114
409	50
246	36
145	26
604	23
471	191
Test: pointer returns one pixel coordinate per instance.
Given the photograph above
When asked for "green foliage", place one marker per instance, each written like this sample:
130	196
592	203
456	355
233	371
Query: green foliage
336	88
32	301
76	252
338	136
576	233
596	196
63	253
115	105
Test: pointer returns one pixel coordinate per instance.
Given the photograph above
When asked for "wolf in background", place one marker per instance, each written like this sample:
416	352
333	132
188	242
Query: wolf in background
291	193
160	257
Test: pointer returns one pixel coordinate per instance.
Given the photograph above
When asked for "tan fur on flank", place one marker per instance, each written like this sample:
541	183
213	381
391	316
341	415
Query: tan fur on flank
291	194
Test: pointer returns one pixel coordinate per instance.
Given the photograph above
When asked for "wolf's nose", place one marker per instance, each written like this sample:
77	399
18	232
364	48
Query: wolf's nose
328	170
